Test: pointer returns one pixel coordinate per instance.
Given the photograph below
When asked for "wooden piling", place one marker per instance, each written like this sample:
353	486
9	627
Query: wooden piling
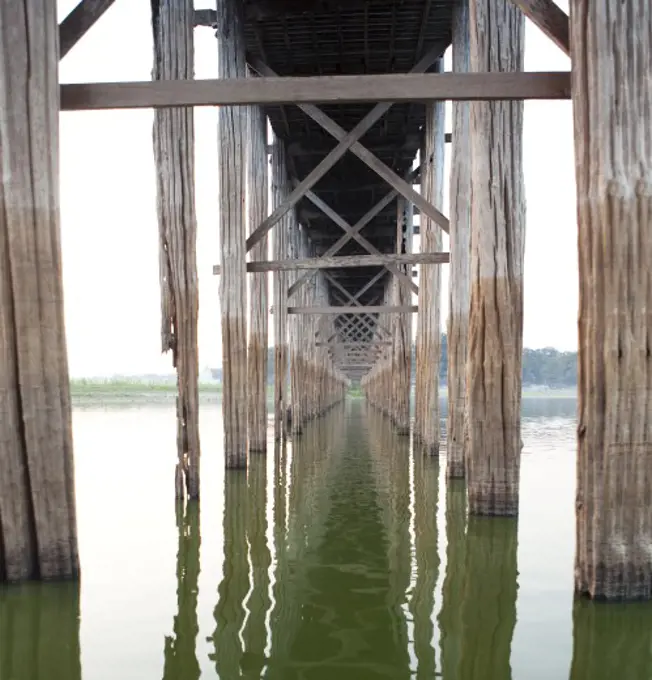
296	325
257	189
428	341
402	325
279	193
38	528
459	295
232	127
497	243
174	153
611	47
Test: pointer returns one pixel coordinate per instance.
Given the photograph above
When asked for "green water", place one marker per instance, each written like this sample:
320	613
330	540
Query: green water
345	555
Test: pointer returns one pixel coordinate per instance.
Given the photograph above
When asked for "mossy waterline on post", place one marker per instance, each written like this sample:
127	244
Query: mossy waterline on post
611	44
495	350
38	526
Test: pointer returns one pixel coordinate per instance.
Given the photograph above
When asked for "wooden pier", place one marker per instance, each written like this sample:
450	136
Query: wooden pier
353	92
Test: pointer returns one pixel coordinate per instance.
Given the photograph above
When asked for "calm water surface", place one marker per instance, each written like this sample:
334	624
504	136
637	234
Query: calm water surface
344	556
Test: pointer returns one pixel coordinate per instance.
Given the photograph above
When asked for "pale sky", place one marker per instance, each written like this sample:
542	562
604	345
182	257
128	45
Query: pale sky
108	206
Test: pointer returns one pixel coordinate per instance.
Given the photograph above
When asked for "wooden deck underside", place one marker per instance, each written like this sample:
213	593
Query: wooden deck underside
330	37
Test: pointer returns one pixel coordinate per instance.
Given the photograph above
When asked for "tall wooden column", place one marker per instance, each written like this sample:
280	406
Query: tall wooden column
38	528
233	281
174	152
497	244
460	255
428	343
612	101
295	327
402	326
279	192
258	313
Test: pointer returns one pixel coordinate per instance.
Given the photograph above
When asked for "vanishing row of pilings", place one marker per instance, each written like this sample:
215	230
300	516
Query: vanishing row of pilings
485	326
611	51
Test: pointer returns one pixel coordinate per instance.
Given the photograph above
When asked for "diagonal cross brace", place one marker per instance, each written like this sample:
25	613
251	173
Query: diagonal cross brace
347	141
341	222
367	157
357	227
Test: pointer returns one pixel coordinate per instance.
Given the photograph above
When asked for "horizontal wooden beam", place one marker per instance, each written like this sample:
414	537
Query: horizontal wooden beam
344	261
549	18
393	87
345	309
80	20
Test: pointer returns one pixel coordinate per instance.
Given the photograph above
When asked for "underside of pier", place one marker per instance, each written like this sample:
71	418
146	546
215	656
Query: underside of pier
353	92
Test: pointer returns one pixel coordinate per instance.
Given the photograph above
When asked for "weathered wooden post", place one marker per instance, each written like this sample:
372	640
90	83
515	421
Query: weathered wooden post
402	326
460	255
295	327
38	528
174	153
428	342
258	314
611	49
279	192
497	242
232	126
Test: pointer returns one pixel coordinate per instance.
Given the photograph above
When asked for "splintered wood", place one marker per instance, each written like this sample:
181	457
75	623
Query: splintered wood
428	343
460	255
497	244
174	153
38	528
611	47
232	131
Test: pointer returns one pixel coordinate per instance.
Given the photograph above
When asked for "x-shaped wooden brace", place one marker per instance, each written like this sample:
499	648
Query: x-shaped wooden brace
337	246
404	279
350	299
355	298
349	141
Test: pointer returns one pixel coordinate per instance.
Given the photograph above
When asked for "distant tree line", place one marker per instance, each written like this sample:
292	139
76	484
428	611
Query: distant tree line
546	366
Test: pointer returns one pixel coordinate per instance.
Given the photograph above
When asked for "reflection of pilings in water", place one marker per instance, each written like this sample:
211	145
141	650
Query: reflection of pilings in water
180	648
422	602
489	605
229	612
258	602
390	459
306	498
611	641
450	617
39	632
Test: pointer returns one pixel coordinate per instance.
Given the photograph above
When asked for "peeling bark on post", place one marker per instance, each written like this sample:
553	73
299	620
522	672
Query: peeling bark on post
611	46
460	255
232	128
38	528
258	329
497	244
428	345
174	153
279	192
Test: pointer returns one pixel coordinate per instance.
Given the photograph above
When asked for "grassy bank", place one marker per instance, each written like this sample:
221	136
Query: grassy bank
86	391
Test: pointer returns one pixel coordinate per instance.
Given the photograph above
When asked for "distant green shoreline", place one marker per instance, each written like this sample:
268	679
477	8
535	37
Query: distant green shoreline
84	390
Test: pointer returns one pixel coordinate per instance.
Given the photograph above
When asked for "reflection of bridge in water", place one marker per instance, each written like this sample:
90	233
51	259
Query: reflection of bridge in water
344	583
